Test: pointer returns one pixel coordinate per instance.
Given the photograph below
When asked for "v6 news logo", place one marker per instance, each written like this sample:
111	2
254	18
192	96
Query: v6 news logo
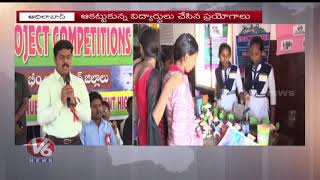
41	147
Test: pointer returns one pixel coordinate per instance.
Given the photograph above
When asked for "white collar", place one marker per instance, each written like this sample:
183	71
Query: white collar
258	68
57	75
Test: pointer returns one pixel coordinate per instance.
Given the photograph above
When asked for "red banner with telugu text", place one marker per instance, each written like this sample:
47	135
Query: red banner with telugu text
139	16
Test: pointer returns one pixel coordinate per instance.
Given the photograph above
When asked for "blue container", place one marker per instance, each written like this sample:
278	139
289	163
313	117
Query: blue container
199	106
245	128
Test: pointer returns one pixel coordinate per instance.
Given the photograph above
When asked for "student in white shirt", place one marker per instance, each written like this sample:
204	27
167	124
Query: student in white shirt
62	106
228	79
106	116
259	80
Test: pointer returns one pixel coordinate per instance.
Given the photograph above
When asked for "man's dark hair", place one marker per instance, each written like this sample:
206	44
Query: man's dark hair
129	101
257	40
95	95
105	103
62	44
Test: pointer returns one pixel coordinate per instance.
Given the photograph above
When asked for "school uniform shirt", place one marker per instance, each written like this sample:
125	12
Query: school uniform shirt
262	82
267	79
94	135
228	96
56	118
237	76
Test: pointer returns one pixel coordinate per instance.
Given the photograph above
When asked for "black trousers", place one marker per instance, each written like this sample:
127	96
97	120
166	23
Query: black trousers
60	142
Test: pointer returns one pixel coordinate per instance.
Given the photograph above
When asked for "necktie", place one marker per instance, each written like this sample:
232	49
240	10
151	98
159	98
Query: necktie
225	78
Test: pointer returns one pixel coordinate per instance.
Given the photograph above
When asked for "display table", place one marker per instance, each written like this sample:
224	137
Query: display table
275	139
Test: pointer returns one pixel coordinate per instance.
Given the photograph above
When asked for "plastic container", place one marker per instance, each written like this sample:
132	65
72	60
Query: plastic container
205	99
263	134
199	106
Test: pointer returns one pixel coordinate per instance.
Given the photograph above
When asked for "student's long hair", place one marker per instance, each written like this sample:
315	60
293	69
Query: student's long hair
185	44
150	42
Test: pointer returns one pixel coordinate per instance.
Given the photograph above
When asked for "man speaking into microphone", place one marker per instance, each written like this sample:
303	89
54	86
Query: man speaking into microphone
63	100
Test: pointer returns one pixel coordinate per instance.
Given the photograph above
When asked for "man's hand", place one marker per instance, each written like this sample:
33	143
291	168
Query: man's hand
19	130
67	92
73	101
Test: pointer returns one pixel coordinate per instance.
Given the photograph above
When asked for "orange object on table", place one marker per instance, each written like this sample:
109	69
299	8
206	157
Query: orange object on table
205	99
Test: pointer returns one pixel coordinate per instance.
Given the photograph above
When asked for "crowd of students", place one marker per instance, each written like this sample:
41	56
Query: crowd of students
163	105
163	98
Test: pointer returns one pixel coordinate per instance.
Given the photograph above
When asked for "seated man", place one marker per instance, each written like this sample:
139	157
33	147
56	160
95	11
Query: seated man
106	116
98	131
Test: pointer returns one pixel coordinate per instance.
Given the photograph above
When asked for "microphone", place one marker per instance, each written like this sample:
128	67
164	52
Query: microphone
67	81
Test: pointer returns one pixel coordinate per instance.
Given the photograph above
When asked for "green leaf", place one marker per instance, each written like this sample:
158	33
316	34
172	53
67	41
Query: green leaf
231	117
221	115
266	121
253	121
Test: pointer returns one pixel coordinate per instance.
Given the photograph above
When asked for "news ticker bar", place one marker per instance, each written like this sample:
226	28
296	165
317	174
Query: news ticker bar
139	17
